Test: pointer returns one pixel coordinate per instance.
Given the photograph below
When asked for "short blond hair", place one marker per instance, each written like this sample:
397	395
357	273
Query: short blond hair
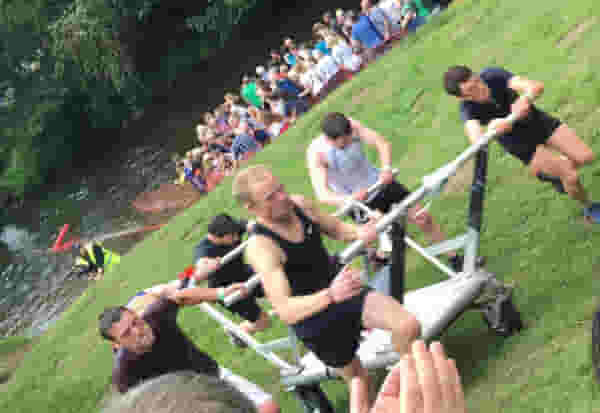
241	187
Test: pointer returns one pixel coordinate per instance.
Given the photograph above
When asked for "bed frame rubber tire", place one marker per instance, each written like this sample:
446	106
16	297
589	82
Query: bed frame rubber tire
313	399
502	317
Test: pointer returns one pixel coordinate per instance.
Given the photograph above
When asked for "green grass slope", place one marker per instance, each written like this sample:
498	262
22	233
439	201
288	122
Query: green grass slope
532	235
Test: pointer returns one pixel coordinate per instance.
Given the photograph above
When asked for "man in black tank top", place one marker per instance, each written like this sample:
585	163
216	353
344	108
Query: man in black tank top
551	150
326	311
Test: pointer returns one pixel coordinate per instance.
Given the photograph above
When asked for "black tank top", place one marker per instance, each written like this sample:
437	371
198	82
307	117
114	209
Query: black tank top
308	266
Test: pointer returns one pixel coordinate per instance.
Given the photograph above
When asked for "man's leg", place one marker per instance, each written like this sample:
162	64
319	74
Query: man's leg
395	193
569	144
426	223
545	161
256	319
263	322
386	313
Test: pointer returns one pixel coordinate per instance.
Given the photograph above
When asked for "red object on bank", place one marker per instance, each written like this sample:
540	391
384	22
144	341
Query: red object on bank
187	273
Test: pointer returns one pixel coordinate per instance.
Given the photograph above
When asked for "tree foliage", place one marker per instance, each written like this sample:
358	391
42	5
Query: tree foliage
67	69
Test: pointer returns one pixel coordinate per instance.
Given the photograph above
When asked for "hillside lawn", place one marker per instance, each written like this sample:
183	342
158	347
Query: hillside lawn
532	236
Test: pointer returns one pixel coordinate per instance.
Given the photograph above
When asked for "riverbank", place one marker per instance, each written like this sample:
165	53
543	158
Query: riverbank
532	235
95	196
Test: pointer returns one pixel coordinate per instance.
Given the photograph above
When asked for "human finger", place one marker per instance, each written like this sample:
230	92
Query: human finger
427	377
411	398
444	373
391	384
459	395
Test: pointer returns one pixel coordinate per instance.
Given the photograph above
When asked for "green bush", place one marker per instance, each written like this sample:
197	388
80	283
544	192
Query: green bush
66	72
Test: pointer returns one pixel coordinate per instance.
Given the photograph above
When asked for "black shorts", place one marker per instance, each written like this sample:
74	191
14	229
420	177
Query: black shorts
390	194
247	308
536	133
333	335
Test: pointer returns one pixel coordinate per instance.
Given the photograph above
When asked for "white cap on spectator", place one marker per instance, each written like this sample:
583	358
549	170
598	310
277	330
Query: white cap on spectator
260	70
317	54
339	12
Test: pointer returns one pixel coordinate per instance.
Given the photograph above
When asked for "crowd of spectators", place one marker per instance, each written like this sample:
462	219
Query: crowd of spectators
295	78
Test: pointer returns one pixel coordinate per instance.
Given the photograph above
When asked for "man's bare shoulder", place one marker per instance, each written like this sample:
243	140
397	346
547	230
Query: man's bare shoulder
307	205
261	247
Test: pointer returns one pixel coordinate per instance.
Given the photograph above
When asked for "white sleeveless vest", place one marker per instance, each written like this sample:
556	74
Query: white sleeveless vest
348	169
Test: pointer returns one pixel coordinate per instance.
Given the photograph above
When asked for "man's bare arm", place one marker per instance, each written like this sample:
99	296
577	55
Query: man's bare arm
317	170
474	130
267	259
370	137
531	88
196	295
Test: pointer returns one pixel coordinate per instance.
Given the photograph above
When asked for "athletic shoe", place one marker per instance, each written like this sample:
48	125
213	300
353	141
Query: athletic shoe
593	212
235	339
556	182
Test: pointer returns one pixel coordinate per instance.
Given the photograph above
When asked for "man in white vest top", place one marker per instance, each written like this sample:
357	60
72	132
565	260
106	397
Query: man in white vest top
339	170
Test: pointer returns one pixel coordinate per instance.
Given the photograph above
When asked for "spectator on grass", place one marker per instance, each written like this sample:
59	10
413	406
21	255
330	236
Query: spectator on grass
276	103
326	67
256	128
221	116
290	57
214	172
210	121
415	15
393	9
328	20
348	24
365	34
193	171
273	76
244	144
287	85
217	144
248	92
339	26
201	132
379	19
276	125
318	31
343	54
275	58
233	103
309	79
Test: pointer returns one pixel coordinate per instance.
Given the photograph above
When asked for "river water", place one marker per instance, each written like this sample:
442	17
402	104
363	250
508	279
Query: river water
96	199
